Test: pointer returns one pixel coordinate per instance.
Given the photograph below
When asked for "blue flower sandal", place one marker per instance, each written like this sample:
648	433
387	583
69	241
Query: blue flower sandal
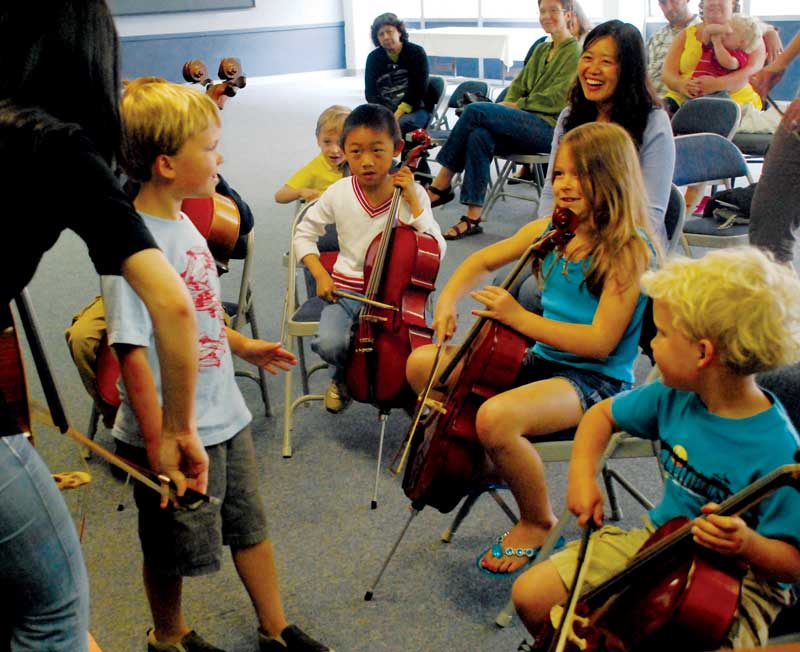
499	551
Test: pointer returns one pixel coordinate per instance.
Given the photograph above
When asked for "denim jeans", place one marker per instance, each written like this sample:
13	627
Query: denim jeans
486	129
45	587
332	340
415	120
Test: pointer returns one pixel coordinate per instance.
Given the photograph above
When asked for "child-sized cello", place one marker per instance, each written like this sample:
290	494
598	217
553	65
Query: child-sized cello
400	270
449	461
674	594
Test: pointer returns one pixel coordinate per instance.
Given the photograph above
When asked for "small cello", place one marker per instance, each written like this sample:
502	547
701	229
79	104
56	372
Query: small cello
400	270
217	219
672	590
448	461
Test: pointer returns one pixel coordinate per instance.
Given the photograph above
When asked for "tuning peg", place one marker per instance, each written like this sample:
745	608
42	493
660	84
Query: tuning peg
195	71
229	68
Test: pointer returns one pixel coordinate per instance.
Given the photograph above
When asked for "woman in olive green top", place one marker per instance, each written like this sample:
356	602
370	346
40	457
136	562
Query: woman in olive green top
522	123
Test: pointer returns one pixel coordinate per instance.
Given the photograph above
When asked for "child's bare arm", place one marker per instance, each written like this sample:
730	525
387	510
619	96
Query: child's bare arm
323	279
287	194
141	391
595	340
270	356
770	559
712	29
584	498
725	58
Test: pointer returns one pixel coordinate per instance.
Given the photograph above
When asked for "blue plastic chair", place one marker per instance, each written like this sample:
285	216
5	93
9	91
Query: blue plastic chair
712	159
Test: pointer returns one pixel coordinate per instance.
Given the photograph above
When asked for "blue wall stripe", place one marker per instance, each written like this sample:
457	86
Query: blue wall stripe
262	51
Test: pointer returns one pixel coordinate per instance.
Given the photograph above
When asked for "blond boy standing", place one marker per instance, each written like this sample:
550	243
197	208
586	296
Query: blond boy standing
170	143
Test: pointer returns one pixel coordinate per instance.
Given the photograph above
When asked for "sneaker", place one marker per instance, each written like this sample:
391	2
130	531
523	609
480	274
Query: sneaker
336	397
296	641
189	643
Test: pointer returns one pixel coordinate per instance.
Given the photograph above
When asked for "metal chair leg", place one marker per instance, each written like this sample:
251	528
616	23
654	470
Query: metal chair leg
637	495
91	430
461	514
262	376
288	407
301	356
466	506
371	591
611	491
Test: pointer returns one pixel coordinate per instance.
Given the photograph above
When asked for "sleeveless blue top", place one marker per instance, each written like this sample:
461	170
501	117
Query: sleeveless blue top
566	298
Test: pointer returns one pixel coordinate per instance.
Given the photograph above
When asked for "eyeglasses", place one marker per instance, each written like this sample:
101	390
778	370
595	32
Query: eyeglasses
551	12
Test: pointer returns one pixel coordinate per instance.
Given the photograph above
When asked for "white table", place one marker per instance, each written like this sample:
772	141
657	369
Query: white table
509	44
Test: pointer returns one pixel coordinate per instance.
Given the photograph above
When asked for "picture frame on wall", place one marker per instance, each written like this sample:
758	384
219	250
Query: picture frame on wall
130	7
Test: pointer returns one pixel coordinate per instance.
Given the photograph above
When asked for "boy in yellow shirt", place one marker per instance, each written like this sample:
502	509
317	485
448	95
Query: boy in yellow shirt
310	181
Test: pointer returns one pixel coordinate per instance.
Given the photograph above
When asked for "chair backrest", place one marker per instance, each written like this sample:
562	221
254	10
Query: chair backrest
716	115
502	95
469	86
328	245
674	218
706	157
434	98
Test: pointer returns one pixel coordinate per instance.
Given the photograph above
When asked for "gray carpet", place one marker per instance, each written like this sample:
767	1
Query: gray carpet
329	543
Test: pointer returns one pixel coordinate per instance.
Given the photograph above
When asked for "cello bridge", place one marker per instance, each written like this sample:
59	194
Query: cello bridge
557	614
375	318
436	405
363	349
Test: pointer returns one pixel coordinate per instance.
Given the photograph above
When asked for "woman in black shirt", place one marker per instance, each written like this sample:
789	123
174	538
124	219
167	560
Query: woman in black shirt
59	133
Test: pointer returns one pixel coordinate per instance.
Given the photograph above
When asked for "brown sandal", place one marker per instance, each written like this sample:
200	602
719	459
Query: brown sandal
473	227
443	195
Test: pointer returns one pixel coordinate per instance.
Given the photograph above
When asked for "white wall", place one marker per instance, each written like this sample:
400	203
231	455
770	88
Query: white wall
266	13
358	17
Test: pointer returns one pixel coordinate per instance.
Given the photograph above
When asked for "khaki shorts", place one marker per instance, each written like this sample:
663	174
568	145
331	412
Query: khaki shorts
613	547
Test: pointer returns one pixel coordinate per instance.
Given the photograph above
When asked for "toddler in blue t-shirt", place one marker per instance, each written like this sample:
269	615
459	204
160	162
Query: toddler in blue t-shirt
719	320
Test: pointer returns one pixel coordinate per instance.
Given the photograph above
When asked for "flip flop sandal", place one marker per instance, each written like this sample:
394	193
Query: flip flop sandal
499	551
443	196
71	479
473	228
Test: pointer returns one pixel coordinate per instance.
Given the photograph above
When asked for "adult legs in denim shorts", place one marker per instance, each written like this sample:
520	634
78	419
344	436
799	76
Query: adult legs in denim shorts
46	592
549	398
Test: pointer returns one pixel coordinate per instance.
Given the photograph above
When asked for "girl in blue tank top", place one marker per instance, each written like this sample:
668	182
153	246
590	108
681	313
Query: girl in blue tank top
585	340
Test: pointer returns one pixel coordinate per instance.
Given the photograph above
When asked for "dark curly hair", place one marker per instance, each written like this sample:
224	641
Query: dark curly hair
634	96
388	19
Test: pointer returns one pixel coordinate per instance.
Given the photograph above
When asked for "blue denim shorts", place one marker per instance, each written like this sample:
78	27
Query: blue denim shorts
590	386
189	542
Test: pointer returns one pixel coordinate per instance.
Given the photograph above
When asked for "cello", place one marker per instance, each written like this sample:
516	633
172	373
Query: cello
400	270
672	590
448	461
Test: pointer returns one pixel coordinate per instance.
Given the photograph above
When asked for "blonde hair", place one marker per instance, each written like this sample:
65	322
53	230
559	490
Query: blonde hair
158	117
750	29
740	299
333	117
607	164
